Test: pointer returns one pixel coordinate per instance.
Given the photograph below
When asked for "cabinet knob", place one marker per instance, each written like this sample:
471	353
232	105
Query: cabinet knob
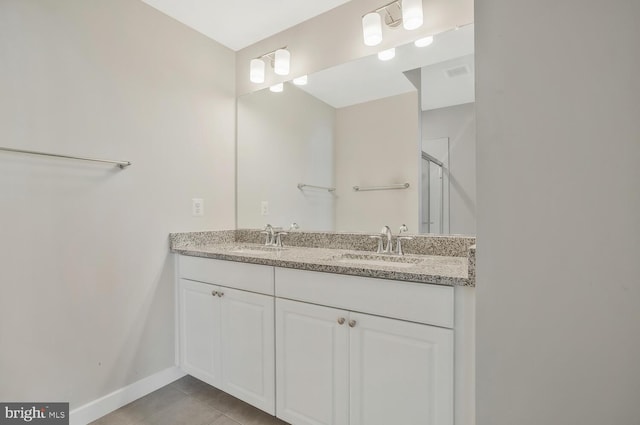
341	320
220	294
352	323
214	293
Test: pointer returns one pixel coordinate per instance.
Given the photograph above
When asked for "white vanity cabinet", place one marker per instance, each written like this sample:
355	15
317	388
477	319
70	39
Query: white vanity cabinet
319	348
400	372
199	313
226	335
312	364
338	367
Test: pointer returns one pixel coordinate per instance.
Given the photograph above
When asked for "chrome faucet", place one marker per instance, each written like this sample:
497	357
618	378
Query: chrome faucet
276	239
386	233
403	229
274	235
268	231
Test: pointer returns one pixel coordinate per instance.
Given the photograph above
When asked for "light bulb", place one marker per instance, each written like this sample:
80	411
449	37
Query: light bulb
300	81
423	42
388	54
256	71
282	60
372	29
277	88
411	14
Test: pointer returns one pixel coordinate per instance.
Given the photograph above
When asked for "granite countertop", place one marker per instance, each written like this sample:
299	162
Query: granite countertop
435	269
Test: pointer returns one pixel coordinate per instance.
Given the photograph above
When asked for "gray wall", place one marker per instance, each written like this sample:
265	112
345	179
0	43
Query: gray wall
458	123
377	145
86	282
558	280
285	139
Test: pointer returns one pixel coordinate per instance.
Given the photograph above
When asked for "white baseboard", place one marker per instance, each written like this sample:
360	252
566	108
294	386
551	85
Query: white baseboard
100	407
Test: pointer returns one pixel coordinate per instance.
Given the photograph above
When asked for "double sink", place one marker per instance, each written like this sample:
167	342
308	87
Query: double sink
360	258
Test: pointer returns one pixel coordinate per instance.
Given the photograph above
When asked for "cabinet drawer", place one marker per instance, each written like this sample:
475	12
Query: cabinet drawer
417	302
250	277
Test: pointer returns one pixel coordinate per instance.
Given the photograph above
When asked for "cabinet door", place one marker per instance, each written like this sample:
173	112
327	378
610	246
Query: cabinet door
312	368
401	372
199	331
248	359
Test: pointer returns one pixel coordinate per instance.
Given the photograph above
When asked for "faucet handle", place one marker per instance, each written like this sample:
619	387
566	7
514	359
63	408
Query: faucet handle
399	243
294	226
279	236
268	231
380	247
403	228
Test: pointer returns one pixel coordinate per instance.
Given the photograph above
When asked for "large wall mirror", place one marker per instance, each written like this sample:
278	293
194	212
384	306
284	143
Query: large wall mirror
365	144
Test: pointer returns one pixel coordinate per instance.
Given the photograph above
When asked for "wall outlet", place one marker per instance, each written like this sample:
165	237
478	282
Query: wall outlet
264	208
197	207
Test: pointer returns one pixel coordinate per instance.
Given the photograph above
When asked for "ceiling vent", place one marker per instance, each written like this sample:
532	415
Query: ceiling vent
457	71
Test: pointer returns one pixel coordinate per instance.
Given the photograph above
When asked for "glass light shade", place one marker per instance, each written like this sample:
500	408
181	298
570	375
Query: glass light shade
411	14
388	54
372	29
277	88
256	71
282	61
423	42
301	81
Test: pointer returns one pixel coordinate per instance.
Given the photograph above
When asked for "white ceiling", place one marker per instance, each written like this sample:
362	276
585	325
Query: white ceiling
241	23
369	78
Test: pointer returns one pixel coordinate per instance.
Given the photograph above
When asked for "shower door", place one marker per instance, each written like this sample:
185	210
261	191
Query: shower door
432	195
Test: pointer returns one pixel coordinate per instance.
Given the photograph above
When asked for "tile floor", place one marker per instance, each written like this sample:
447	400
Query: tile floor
188	401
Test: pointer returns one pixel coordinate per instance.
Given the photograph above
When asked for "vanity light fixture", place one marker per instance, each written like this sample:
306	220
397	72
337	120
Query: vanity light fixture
372	29
280	60
388	54
411	14
407	12
277	88
256	72
424	42
301	81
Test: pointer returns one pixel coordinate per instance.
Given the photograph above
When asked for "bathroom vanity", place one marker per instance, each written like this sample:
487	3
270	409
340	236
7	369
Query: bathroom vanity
327	336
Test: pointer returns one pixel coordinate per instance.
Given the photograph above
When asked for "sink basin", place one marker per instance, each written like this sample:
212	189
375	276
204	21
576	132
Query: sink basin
257	249
379	260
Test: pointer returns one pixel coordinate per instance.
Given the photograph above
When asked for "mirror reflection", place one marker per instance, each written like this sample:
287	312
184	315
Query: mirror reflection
365	144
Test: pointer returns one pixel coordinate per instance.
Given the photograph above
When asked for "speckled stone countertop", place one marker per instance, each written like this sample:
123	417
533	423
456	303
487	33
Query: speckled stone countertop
341	253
